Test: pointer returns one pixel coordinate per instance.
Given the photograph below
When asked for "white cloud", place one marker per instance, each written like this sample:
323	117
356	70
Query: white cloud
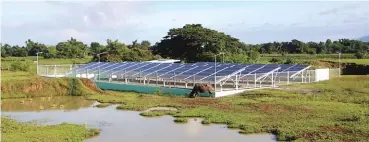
254	22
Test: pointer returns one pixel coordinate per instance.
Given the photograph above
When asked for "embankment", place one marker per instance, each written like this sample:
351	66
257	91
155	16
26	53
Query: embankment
347	68
40	87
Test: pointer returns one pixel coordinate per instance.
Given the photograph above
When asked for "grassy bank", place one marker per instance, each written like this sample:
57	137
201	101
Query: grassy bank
13	131
335	110
25	84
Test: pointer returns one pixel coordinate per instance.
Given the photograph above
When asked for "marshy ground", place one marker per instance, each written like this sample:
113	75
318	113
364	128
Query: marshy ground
335	110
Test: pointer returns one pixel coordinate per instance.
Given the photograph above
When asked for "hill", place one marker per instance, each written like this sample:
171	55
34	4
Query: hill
364	38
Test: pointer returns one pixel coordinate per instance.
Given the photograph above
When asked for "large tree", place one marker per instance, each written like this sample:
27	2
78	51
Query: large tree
34	47
194	43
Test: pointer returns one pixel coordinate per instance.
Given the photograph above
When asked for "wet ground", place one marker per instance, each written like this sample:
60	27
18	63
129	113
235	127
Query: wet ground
119	125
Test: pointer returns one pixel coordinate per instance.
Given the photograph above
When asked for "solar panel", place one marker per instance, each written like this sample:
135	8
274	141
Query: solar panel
199	70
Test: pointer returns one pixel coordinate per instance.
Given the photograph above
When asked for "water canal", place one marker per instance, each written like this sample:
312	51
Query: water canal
119	125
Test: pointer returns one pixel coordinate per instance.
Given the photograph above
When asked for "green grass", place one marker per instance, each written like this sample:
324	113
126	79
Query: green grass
13	131
356	61
311	59
181	120
49	61
157	113
103	105
335	110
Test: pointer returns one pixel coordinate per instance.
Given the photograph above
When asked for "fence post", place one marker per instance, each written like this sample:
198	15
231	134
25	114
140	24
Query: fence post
302	77
255	80
55	71
309	75
125	77
86	73
174	80
157	78
47	70
288	77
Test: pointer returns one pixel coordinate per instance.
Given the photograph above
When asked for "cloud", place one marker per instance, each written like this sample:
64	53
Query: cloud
252	22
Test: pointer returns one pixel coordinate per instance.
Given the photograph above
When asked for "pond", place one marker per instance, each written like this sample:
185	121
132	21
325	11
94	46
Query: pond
119	125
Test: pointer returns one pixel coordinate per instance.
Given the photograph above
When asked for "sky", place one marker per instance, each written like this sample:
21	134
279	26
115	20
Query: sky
252	22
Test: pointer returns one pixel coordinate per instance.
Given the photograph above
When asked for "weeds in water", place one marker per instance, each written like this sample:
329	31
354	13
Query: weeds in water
157	113
181	120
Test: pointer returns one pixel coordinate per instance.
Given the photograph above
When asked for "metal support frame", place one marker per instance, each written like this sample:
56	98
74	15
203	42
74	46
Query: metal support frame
266	74
214	73
225	78
252	72
293	75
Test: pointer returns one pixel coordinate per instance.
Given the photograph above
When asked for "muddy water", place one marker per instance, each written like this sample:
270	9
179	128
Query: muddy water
117	125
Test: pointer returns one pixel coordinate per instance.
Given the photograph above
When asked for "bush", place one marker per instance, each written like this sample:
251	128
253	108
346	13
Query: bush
159	92
20	66
289	61
359	55
275	60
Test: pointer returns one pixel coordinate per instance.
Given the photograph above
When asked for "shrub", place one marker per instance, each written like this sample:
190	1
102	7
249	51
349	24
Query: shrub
180	120
359	55
275	60
159	92
20	66
289	61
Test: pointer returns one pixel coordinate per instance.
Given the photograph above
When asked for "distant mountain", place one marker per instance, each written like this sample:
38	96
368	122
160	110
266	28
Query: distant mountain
364	38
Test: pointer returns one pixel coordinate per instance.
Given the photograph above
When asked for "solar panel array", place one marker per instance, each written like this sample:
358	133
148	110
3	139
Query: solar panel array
200	70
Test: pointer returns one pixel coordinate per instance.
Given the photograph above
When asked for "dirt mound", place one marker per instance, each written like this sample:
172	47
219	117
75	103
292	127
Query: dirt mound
91	85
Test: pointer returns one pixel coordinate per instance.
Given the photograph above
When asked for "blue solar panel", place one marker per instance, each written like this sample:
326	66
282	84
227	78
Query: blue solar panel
203	70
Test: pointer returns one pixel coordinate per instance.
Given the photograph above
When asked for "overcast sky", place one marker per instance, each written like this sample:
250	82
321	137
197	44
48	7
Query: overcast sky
251	22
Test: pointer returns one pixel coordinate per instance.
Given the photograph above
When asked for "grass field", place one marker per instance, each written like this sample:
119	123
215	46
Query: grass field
335	110
13	131
356	61
308	59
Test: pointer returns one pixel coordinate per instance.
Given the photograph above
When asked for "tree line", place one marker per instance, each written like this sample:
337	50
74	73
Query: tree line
191	43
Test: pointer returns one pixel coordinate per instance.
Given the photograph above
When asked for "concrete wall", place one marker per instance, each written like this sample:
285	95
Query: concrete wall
144	89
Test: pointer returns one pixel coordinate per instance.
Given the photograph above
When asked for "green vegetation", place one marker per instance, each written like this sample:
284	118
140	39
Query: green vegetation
335	110
157	113
103	105
181	120
191	43
13	131
29	86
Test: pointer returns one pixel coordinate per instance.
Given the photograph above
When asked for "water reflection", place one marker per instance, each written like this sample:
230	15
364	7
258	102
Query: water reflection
118	125
44	103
